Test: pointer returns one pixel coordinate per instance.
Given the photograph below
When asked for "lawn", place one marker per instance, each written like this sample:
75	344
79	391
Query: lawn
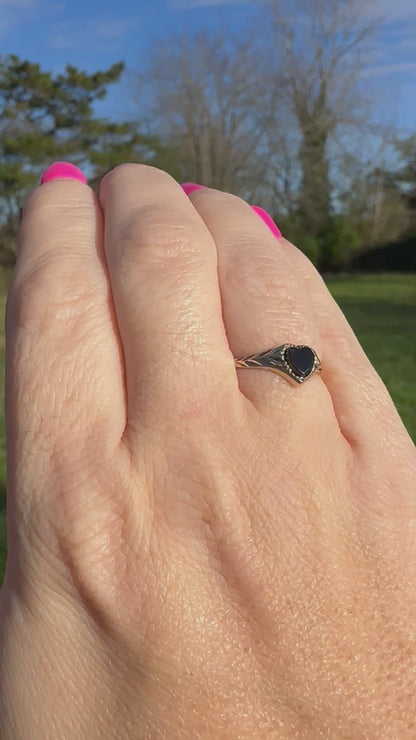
382	311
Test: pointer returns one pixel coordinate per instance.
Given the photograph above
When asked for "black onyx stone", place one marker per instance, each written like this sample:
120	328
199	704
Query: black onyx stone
301	360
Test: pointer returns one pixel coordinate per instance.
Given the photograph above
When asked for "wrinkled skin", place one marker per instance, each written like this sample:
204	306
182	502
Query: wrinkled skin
195	551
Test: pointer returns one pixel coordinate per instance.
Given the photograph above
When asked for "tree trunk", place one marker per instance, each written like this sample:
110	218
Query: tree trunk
315	190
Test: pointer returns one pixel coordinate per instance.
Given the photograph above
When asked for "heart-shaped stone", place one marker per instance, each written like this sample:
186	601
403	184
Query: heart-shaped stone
301	360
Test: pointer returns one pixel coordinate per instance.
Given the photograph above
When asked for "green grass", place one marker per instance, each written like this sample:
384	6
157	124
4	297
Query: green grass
382	311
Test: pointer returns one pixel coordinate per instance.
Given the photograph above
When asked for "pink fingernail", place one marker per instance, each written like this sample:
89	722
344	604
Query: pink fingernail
62	171
268	221
189	187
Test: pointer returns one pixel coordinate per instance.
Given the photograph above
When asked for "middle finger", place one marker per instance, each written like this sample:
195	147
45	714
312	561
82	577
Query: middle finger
163	273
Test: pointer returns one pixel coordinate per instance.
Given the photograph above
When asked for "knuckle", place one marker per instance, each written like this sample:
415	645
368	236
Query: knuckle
264	279
159	238
258	273
49	295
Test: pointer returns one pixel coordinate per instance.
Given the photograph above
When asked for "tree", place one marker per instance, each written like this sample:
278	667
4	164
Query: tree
45	117
263	115
319	49
405	177
203	99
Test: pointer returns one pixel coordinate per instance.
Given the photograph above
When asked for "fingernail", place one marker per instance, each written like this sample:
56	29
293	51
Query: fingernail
268	221
62	171
189	187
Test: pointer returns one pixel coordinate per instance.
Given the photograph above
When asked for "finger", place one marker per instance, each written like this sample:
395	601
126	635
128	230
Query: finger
265	305
64	374
361	400
163	268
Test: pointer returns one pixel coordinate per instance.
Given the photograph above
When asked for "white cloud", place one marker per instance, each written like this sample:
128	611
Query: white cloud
393	48
107	32
113	29
17	4
395	11
382	70
190	4
15	12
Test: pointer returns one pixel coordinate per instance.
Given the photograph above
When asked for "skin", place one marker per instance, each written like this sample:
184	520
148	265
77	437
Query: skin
195	551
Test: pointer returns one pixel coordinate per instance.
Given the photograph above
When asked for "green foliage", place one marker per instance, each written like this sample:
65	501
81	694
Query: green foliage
46	117
338	244
406	148
128	145
294	232
331	250
406	177
309	246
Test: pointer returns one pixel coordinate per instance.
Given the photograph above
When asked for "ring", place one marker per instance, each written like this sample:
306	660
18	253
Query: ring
298	363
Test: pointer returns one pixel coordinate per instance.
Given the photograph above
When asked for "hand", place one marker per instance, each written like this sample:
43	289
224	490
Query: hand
195	551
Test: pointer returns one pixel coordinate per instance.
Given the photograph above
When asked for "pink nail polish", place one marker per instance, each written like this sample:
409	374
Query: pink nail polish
189	187
268	221
62	171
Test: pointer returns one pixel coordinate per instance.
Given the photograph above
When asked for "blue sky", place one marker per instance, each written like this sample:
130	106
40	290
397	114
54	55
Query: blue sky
92	34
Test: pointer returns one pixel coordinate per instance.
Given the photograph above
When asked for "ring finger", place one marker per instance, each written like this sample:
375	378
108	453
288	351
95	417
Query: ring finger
264	302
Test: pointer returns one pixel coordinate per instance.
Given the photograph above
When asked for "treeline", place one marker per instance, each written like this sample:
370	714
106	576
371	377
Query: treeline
283	116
